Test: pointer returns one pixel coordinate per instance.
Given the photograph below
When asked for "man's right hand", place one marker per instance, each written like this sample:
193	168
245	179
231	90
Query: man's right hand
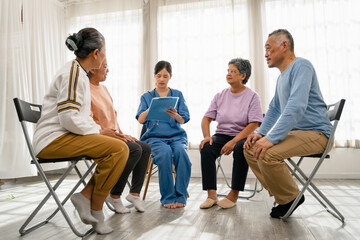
251	140
206	139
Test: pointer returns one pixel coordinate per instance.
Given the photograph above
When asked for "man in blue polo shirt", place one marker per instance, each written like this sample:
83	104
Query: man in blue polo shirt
296	123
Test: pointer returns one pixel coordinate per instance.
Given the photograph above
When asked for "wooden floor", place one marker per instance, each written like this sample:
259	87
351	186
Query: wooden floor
248	220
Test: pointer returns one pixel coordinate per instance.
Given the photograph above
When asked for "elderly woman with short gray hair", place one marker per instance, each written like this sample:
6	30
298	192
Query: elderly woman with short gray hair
238	112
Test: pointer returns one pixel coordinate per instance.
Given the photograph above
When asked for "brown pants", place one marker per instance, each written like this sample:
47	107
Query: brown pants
110	155
272	171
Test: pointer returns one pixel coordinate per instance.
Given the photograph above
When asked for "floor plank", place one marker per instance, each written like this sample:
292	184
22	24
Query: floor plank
248	220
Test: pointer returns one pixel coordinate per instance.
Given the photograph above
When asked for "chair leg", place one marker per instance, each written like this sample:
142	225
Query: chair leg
109	206
253	190
333	210
222	171
298	164
79	174
174	172
128	183
52	193
88	165
149	170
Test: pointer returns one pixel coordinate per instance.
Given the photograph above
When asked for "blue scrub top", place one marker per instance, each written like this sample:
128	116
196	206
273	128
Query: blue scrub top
162	129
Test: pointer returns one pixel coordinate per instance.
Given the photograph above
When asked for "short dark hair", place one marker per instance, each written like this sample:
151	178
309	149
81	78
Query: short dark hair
287	35
161	65
85	41
244	66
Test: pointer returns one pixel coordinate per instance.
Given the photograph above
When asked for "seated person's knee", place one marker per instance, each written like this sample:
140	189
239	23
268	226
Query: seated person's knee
248	152
206	148
164	153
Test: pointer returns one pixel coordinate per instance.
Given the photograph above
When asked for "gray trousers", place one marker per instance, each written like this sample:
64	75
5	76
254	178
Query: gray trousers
137	164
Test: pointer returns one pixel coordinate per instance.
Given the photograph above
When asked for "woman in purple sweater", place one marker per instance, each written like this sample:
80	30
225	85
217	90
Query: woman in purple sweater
238	112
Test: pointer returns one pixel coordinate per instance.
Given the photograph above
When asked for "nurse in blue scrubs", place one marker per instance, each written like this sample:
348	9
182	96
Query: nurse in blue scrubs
168	140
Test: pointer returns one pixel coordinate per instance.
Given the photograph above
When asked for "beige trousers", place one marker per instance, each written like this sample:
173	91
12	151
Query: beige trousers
272	171
110	155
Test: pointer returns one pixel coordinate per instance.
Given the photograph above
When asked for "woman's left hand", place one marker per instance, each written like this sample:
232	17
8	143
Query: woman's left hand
172	112
228	148
130	138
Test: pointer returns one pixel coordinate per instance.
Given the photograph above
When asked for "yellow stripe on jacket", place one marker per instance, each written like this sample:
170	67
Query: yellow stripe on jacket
71	103
74	76
65	105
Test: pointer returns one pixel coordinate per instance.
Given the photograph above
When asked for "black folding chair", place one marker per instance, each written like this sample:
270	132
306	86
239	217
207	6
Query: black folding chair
334	113
28	112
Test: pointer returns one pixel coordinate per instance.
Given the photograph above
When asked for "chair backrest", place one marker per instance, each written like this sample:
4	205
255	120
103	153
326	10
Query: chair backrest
334	113
335	110
143	130
27	112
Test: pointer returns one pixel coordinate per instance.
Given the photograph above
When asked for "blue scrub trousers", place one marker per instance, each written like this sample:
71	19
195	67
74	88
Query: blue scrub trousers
165	152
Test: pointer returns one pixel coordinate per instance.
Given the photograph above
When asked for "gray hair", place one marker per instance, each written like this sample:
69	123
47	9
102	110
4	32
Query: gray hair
283	35
243	66
85	41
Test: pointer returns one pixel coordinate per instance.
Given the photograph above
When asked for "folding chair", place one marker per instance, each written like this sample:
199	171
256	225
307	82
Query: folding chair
28	112
334	113
252	190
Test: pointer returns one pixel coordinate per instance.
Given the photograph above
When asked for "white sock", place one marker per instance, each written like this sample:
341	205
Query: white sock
117	204
82	206
138	204
100	227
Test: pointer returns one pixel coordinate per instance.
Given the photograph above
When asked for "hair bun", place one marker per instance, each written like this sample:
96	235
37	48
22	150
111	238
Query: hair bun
84	42
71	42
79	40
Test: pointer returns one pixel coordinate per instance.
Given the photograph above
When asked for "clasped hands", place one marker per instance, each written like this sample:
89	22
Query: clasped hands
261	145
112	132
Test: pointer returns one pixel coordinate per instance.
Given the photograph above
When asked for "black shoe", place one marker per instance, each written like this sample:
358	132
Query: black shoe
280	210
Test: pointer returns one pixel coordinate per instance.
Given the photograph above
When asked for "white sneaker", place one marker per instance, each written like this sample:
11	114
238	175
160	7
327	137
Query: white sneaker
117	204
138	204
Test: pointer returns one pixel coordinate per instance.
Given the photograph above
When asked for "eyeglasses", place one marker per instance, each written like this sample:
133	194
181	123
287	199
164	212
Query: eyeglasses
231	71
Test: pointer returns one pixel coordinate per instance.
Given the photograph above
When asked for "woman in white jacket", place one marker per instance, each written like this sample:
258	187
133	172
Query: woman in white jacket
66	128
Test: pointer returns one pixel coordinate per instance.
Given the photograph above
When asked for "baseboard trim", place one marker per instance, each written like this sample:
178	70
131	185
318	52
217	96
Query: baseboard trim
318	176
